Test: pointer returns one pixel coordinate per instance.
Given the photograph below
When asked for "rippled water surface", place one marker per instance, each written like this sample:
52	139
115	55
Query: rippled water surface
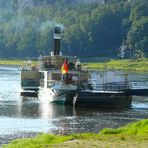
26	116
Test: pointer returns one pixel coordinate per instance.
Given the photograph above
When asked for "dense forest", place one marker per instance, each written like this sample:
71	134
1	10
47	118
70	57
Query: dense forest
90	28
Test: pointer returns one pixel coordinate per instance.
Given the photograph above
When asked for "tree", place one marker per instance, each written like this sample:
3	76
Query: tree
138	35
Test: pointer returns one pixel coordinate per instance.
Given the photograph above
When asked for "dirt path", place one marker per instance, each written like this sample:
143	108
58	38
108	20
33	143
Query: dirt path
103	144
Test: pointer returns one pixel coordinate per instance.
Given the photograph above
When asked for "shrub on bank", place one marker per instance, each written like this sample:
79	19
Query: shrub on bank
136	128
139	128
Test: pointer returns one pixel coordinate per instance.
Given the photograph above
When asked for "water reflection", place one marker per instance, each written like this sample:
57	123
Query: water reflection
27	114
28	107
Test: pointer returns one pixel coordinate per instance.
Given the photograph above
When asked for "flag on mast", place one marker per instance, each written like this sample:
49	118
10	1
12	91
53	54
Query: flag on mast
64	67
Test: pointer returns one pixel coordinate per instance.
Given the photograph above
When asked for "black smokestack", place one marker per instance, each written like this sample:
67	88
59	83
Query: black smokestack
57	40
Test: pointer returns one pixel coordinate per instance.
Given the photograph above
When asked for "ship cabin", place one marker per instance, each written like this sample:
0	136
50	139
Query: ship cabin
50	68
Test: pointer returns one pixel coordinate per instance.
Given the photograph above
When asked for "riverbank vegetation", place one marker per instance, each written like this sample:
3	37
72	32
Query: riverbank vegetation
90	28
122	65
15	62
132	135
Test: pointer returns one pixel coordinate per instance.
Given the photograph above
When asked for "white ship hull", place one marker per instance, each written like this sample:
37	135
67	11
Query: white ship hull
59	96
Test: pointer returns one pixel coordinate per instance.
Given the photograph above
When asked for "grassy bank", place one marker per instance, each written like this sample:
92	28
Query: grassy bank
14	62
131	135
125	65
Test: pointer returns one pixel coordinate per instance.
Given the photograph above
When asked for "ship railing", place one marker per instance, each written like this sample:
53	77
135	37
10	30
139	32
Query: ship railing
49	83
139	84
59	69
52	83
59	82
26	66
119	87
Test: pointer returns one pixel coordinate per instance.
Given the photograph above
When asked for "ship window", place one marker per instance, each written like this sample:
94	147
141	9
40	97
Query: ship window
56	76
41	75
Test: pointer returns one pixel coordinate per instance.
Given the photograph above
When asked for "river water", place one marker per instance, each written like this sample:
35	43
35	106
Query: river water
26	116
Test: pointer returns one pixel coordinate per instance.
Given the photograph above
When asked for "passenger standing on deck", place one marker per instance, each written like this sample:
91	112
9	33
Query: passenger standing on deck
75	79
78	65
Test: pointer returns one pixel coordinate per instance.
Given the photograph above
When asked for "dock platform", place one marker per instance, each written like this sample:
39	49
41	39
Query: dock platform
112	95
103	99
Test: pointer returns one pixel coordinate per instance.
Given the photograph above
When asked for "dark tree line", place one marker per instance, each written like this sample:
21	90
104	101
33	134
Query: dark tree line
89	29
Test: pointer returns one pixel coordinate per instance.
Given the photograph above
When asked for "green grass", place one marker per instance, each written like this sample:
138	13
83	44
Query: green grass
137	128
39	141
125	65
131	135
14	62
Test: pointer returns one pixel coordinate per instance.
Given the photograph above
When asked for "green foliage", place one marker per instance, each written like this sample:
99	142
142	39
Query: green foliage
137	128
89	29
137	37
140	65
40	141
15	62
138	131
